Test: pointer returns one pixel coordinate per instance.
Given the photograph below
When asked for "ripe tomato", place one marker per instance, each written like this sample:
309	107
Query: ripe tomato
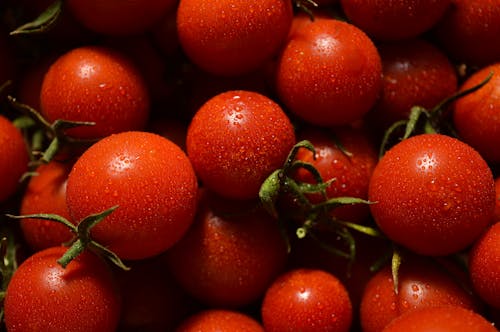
484	266
95	84
329	73
434	194
13	158
149	178
116	17
422	283
43	296
475	115
232	37
306	300
220	320
443	319
469	31
236	139
394	20
46	193
230	254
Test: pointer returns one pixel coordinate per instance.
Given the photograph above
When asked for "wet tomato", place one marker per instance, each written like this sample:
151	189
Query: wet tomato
220	320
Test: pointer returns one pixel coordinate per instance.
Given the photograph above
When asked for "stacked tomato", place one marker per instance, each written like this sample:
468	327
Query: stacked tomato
273	165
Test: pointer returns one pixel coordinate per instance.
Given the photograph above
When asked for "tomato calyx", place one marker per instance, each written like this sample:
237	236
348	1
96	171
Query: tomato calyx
305	6
82	239
8	264
44	22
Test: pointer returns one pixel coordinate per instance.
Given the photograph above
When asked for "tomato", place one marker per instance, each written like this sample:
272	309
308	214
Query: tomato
443	319
116	17
95	84
306	300
329	73
469	30
484	266
43	296
220	320
231	38
46	193
422	283
230	254
13	158
152	182
394	20
415	73
475	115
236	139
351	173
434	194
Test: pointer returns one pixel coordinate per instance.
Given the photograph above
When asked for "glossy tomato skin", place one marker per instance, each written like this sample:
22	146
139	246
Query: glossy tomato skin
220	320
422	283
394	19
329	73
96	84
306	300
152	182
230	254
230	38
122	18
435	194
469	30
475	115
46	193
444	318
236	139
484	266
43	296
13	158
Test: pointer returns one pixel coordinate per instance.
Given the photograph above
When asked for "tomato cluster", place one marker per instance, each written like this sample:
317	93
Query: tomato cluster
272	165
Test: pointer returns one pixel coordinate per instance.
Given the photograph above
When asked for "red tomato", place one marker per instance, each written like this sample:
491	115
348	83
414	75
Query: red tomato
434	194
232	37
329	73
351	172
236	139
95	84
149	178
442	319
43	296
394	19
306	300
469	31
117	17
422	283
13	158
484	266
46	193
475	115
231	253
220	320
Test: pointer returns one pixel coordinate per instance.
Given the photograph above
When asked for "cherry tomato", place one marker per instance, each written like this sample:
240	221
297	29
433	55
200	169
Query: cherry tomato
484	266
46	193
306	300
95	84
13	158
220	320
329	73
434	194
422	283
231	38
475	115
230	254
236	139
115	17
152	182
43	296
394	20
445	319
